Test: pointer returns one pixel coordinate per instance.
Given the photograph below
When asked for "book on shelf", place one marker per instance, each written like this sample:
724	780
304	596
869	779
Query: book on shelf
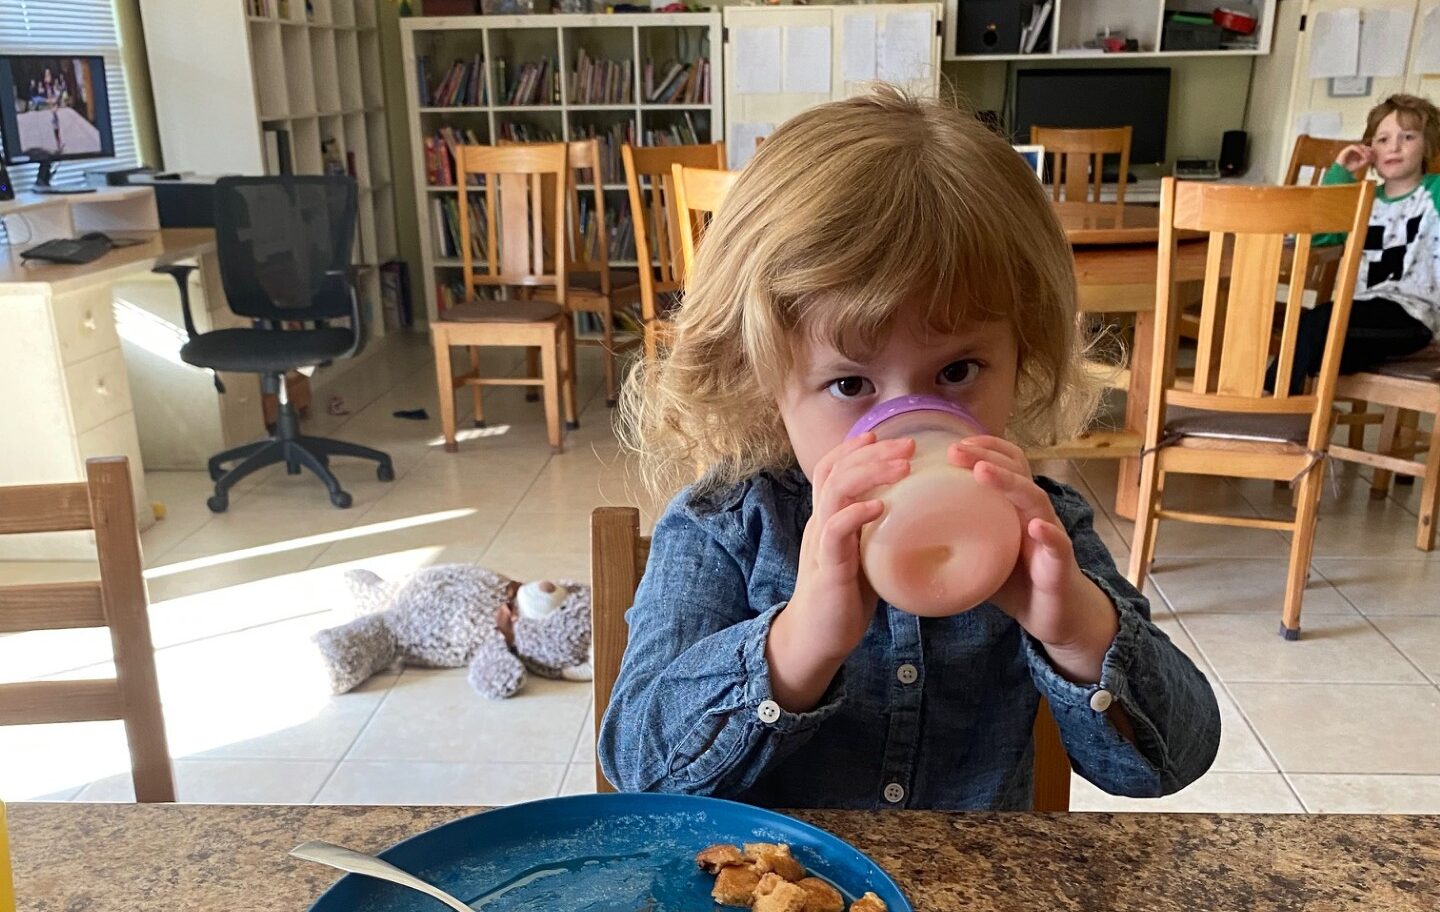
598	82
462	86
526	133
445	218
677	82
534	84
277	151
440	153
612	137
680	133
395	295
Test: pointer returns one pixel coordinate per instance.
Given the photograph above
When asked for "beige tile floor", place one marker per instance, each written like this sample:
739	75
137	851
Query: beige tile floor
1345	720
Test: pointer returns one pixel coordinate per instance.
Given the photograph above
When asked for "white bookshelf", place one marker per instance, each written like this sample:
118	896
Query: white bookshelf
1072	23
505	43
226	73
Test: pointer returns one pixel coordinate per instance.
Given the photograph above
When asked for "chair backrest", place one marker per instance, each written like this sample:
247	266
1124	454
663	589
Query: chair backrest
514	241
1249	226
650	179
105	503
1079	155
1314	153
284	245
618	554
587	236
698	195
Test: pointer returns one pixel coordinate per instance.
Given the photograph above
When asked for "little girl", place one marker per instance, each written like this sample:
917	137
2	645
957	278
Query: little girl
1397	297
878	247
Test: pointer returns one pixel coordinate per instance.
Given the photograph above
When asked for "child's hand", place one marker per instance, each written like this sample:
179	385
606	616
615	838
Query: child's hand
1355	158
1047	594
832	606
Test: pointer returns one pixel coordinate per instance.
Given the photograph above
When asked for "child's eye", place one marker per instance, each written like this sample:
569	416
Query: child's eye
957	372
850	387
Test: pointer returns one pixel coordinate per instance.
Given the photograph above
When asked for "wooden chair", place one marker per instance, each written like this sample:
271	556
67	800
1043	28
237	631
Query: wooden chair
1221	423
516	236
1406	388
104	502
618	554
698	195
1314	153
593	286
650	179
1079	155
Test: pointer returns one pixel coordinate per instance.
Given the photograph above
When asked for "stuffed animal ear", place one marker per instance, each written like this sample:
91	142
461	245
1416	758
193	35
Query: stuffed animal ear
369	593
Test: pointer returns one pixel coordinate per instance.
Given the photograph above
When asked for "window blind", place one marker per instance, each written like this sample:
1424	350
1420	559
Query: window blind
72	27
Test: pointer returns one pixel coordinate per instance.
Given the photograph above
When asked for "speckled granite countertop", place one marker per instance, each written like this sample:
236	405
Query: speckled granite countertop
149	858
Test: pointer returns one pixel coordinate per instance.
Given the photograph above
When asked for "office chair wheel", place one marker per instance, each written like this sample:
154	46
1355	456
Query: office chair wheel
218	503
341	499
385	473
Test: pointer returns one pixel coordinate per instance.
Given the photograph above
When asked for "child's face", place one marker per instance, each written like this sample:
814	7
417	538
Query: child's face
1399	150
826	393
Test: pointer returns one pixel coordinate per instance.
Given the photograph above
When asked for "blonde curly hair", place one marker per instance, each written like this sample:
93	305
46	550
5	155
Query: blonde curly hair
848	213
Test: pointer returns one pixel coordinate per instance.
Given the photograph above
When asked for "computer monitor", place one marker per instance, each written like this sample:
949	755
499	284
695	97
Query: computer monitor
1138	97
53	107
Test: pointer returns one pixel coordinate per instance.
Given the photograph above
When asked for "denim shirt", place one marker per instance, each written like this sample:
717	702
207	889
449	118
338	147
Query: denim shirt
925	713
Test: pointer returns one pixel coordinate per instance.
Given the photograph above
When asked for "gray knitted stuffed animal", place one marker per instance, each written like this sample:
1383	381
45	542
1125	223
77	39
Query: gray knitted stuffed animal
459	614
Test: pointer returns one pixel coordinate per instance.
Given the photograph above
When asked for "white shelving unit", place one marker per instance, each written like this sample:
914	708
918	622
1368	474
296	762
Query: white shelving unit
504	44
1072	23
226	73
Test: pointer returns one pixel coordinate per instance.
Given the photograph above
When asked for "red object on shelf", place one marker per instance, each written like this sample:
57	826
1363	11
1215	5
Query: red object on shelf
1233	20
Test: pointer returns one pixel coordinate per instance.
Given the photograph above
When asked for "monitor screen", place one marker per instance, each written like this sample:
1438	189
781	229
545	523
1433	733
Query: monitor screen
54	107
1097	97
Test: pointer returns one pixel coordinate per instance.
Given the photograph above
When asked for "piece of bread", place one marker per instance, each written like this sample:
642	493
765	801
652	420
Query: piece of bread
775	894
820	896
869	903
776	857
735	886
711	860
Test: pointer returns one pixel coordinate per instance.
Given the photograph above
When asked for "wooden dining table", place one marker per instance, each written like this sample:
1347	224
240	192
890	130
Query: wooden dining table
232	858
1116	250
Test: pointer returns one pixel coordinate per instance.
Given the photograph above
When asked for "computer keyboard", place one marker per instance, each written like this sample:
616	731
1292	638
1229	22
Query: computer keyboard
69	250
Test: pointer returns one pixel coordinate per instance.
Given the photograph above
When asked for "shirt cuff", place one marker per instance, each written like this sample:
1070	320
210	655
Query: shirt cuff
760	699
1071	699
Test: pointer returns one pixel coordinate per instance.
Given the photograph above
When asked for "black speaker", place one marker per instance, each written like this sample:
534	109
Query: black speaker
7	189
1232	153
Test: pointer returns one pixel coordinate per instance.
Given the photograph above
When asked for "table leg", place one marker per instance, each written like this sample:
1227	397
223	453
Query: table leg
1137	398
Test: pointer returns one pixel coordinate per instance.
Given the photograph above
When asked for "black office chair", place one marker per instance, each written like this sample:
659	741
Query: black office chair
284	249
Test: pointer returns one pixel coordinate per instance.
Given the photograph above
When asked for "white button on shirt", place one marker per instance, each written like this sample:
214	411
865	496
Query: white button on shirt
907	673
769	712
894	793
1100	700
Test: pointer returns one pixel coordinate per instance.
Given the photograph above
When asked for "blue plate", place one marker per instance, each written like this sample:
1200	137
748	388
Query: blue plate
598	853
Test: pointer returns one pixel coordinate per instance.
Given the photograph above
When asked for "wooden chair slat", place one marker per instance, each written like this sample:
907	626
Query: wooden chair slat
51	606
1249	315
698	195
44	508
1079	154
49	702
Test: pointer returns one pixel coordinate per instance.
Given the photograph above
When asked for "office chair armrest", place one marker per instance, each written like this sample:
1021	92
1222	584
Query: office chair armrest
357	322
180	272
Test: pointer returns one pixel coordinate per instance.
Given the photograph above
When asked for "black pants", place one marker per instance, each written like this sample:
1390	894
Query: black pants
1379	330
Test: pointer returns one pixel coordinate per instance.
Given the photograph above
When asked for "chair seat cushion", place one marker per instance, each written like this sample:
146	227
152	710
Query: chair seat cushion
1423	365
263	351
1188	422
502	312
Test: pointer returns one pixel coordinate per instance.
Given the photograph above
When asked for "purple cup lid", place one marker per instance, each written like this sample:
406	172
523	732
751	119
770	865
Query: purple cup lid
901	405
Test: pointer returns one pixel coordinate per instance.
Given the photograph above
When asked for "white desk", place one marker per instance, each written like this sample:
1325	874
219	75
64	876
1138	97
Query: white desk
89	366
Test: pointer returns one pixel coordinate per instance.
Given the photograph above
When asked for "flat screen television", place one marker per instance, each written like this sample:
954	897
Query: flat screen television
1097	97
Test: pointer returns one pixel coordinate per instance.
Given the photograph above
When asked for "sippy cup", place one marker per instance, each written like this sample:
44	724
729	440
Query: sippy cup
945	542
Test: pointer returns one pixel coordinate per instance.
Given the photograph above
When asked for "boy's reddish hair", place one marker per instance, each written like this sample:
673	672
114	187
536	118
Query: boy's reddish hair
1415	113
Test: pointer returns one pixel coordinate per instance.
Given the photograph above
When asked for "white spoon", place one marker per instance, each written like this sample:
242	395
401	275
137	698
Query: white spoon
359	863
